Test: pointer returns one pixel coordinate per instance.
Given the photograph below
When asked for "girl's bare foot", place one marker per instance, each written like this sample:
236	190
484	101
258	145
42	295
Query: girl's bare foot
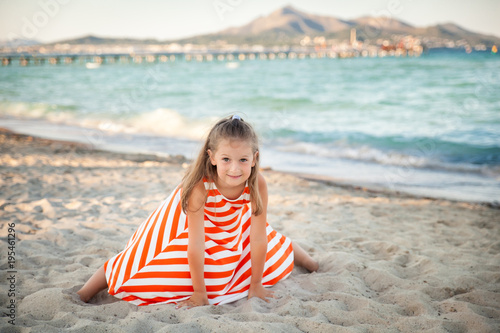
83	296
302	258
94	285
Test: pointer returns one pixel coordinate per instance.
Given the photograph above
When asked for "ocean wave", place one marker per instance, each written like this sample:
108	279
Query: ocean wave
49	112
365	153
418	152
162	121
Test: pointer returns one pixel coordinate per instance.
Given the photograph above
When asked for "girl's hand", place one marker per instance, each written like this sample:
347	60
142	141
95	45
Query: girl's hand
197	299
258	290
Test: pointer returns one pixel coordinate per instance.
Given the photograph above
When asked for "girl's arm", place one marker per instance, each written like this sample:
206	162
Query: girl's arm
258	247
196	247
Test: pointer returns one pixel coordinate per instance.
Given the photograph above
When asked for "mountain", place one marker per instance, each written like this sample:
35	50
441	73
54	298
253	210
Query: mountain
94	40
383	23
18	42
288	26
452	31
290	21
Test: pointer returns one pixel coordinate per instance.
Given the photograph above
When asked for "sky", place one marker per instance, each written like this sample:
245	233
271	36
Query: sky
55	20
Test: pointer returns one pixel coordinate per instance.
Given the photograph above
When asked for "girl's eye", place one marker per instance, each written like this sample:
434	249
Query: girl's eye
243	160
225	159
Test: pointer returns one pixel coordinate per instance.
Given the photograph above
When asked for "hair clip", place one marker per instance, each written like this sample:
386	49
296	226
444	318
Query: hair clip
236	117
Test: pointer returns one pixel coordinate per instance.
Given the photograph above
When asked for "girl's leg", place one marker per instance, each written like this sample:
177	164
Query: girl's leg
302	258
94	285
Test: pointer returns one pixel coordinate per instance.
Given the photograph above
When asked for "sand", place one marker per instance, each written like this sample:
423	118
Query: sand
388	262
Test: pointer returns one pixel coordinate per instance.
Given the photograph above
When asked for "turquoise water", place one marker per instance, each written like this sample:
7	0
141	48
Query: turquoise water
428	125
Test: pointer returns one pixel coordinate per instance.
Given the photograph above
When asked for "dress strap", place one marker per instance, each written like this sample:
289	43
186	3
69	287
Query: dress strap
209	185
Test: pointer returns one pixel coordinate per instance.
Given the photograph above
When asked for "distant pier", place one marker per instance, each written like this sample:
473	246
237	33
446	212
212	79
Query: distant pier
98	59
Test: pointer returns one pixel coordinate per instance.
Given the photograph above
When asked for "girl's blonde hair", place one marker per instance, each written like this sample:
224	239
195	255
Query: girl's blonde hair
232	128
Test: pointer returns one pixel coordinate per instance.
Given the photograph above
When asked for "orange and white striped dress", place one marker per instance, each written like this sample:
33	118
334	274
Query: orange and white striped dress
153	268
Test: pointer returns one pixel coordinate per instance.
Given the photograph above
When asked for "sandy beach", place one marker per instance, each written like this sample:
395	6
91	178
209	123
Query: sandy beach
388	262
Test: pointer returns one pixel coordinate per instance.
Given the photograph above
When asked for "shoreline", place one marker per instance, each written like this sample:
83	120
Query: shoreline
388	262
327	180
180	154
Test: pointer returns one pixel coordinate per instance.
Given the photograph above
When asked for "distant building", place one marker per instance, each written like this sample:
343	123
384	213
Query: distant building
353	37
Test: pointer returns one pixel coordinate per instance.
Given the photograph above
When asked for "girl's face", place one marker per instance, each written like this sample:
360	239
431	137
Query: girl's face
234	160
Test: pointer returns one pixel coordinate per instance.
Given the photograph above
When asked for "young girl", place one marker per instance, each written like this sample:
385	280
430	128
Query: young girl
209	242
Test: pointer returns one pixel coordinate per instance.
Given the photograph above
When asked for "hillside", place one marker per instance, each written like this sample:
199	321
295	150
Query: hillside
290	21
94	40
288	26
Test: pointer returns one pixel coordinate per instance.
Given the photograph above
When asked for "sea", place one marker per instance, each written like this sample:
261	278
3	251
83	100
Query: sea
428	125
